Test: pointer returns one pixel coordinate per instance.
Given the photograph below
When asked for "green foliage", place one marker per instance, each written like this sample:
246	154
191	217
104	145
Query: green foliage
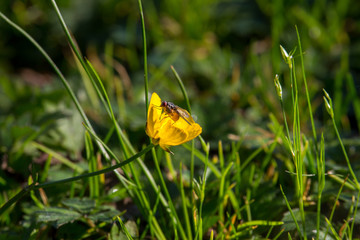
278	156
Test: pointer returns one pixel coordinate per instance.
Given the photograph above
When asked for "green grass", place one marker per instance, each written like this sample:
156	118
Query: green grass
277	157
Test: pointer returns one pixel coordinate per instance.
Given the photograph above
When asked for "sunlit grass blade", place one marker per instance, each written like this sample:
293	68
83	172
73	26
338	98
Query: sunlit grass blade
248	226
33	196
94	183
245	232
184	92
332	229
182	87
259	223
78	56
126	145
343	181
279	93
222	191
45	170
91	174
16	198
234	201
93	134
291	212
68	35
127	234
202	157
212	235
231	220
89	87
279	234
248	199
184	201
108	106
334	206
354	216
199	229
154	227
56	155
289	236
321	182
170	165
237	161
306	90
298	159
250	158
270	150
329	108
173	214
269	232
146	81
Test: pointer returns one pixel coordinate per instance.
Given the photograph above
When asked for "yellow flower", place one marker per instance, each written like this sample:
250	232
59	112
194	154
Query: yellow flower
164	130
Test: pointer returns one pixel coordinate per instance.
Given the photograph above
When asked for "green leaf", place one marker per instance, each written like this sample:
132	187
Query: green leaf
81	205
310	222
115	232
58	216
104	214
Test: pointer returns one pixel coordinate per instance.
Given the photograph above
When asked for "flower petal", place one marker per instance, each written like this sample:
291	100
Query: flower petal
192	130
171	135
153	124
167	131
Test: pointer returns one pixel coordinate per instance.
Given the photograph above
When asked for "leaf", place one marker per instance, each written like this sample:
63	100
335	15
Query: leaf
58	216
132	230
310	222
81	205
104	214
117	233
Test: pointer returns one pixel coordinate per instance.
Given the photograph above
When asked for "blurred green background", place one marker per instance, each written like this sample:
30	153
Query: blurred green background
226	52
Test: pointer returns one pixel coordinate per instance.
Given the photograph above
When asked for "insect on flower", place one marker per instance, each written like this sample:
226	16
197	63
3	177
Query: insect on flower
175	112
172	128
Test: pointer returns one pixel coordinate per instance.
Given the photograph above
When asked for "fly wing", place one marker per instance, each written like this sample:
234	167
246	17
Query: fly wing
185	115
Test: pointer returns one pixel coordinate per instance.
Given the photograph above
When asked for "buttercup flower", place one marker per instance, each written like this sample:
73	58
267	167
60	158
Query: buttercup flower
165	129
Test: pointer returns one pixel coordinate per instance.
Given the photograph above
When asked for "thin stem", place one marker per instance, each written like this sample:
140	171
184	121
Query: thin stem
335	204
345	154
202	197
182	87
167	194
184	205
291	212
285	120
306	90
192	158
146	81
67	32
353	221
337	237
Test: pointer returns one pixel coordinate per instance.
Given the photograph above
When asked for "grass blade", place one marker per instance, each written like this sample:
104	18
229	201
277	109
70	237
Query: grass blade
291	212
146	81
